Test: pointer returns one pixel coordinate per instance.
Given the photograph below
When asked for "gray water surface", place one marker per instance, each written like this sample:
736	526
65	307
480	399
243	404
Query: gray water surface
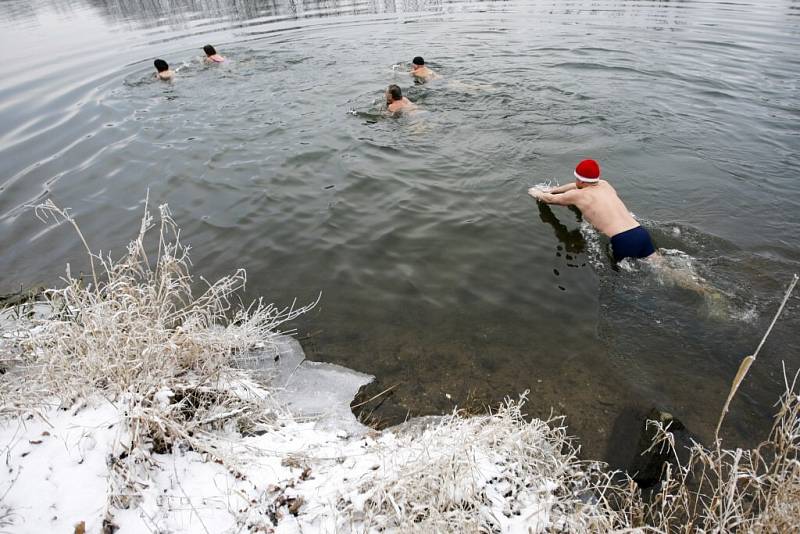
438	274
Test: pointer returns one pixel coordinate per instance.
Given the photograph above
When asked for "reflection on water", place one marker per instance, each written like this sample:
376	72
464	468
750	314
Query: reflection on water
572	240
180	13
438	273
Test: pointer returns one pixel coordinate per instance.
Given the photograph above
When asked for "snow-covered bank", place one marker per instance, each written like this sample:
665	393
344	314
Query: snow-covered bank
131	404
315	470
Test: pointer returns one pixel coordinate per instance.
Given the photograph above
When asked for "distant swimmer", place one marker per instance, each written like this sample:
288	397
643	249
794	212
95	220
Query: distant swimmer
163	72
396	102
420	72
600	205
211	55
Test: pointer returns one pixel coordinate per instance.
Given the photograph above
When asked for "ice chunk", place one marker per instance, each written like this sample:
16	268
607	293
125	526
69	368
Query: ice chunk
310	389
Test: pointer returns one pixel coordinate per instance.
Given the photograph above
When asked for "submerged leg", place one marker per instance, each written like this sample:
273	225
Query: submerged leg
717	305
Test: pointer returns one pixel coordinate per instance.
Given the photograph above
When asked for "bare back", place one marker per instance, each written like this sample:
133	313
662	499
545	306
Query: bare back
601	206
424	73
403	104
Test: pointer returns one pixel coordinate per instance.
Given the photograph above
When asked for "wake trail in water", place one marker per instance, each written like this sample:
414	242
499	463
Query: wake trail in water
671	268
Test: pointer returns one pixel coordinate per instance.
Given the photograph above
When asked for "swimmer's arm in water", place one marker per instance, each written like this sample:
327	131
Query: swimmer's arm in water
568	198
562	188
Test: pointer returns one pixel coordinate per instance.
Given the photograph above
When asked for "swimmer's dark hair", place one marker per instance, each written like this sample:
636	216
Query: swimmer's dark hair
418	61
209	50
161	65
396	92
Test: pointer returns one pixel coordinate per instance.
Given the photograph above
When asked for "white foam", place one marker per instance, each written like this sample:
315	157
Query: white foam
594	246
747	315
545	186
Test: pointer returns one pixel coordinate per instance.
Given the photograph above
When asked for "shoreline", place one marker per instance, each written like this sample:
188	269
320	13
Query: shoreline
292	458
281	471
368	394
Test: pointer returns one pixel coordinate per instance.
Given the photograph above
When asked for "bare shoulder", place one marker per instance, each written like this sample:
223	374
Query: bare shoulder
581	198
607	186
575	196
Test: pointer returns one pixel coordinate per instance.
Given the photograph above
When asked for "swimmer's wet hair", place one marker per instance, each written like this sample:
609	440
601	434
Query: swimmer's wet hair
396	92
161	65
418	61
209	50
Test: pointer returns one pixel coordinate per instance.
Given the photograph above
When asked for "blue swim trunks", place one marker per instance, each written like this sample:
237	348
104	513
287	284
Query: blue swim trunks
633	243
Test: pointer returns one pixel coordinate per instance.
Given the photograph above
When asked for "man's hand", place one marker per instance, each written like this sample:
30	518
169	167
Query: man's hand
536	193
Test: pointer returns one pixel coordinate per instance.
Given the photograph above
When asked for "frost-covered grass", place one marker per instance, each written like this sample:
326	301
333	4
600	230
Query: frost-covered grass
138	324
137	334
491	473
126	411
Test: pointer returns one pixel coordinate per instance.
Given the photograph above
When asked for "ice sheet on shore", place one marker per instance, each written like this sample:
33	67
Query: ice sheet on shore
317	390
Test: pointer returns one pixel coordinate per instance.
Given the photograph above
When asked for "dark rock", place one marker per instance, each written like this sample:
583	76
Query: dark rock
378	408
25	296
109	527
647	465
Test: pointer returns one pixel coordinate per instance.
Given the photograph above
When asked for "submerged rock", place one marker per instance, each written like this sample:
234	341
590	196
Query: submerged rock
377	407
25	296
647	465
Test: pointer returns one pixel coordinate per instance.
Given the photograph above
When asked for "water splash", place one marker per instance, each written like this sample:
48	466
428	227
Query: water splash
594	247
545	186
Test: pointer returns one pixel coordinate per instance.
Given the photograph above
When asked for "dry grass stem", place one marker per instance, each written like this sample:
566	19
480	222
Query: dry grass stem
748	360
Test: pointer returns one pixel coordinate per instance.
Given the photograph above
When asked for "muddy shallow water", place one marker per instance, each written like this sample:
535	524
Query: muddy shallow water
437	273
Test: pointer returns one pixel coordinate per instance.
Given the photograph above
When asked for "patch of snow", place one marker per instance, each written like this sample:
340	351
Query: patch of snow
56	472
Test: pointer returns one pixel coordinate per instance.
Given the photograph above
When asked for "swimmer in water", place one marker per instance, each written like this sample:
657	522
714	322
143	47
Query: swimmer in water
396	102
163	72
598	202
420	72
211	55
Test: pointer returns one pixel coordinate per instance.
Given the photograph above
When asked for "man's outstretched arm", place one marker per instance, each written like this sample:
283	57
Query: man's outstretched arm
561	199
562	188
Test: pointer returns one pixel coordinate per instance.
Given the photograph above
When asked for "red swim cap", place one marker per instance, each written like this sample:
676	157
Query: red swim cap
588	171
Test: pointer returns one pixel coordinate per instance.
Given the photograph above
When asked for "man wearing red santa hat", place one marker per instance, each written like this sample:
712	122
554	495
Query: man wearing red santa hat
601	206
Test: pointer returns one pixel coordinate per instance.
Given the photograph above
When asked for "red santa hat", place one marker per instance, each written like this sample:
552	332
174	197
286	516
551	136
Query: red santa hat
588	171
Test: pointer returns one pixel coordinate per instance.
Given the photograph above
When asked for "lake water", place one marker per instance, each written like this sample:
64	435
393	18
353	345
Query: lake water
438	274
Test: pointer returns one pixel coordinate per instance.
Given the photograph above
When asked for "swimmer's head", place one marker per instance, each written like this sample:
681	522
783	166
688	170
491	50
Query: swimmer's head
161	65
209	50
418	62
587	173
393	93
